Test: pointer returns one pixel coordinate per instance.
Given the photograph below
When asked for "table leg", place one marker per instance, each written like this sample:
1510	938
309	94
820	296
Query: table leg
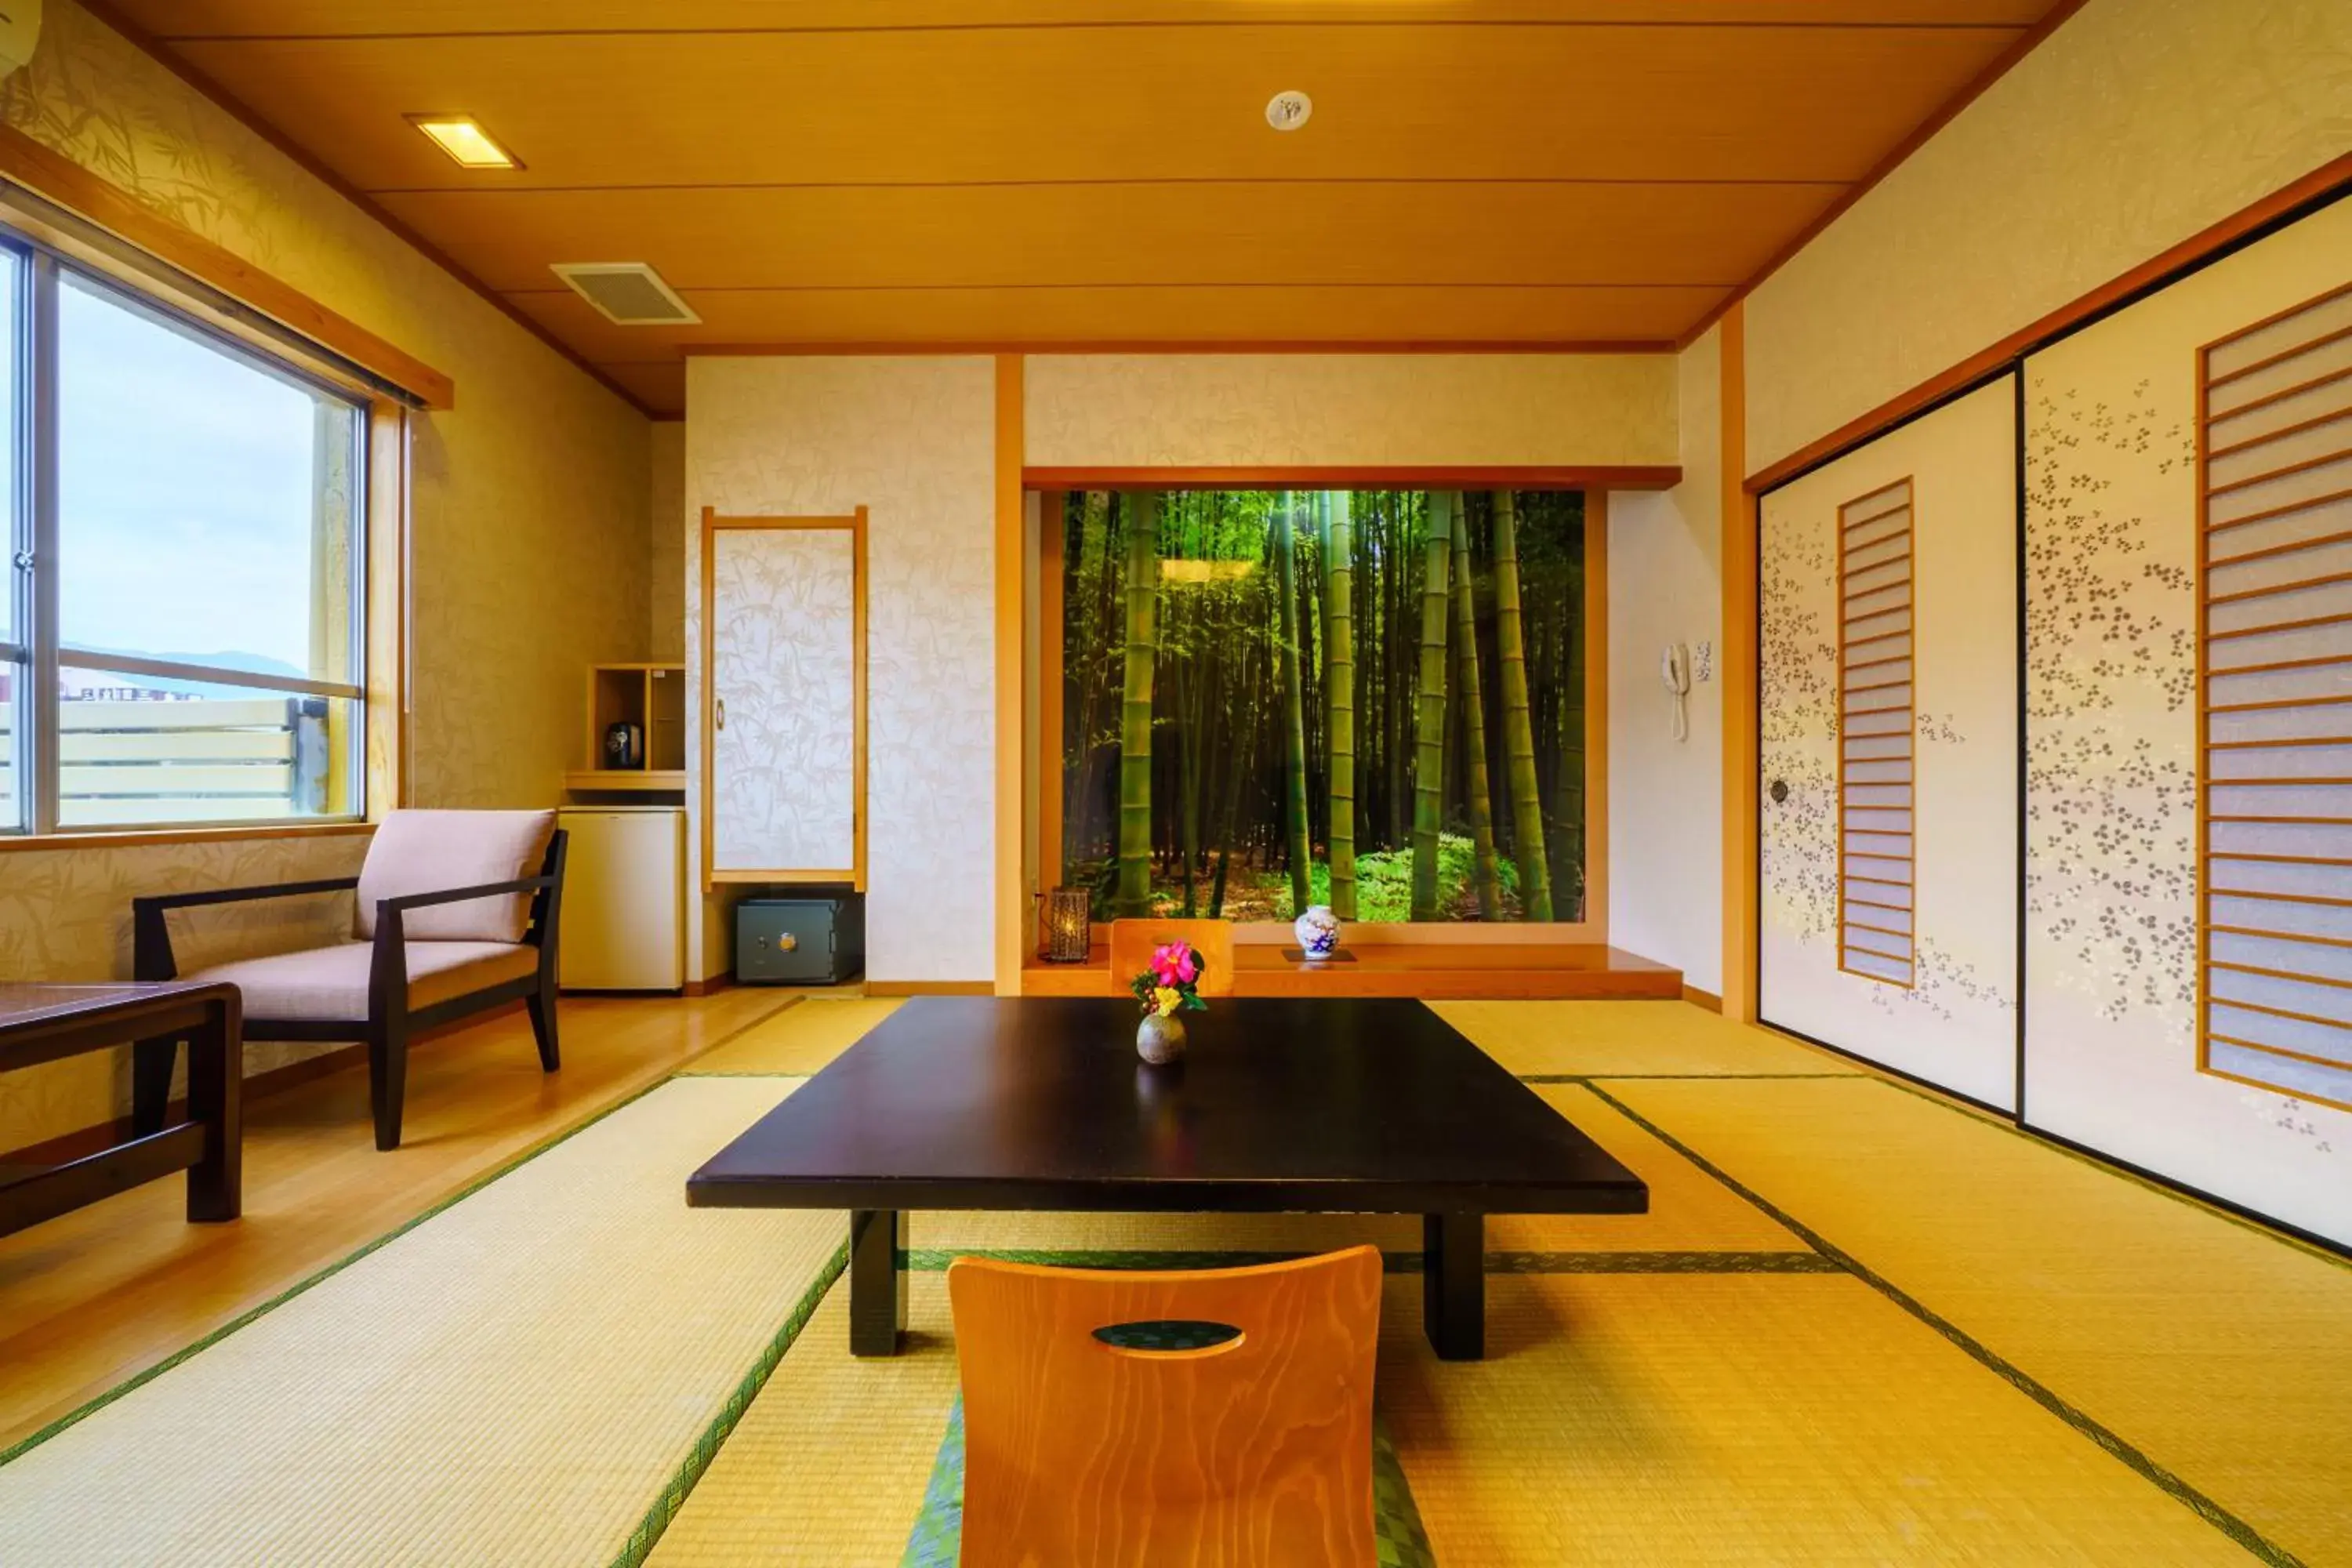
151	1062
1454	1284
877	1285
216	1102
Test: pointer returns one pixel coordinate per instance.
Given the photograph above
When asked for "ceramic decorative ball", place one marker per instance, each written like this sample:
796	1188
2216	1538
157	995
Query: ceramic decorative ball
1317	931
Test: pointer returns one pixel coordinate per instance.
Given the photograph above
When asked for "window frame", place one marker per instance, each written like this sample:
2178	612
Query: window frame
34	649
1041	721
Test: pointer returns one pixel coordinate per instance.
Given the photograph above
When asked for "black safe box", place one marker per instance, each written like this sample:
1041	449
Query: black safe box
818	940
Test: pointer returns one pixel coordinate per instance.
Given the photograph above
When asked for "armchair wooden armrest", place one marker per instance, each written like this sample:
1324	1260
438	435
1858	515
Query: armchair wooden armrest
388	972
460	895
150	936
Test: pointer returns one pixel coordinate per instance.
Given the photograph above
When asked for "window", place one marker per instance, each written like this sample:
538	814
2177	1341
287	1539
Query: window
2276	774
189	572
1875	863
1375	700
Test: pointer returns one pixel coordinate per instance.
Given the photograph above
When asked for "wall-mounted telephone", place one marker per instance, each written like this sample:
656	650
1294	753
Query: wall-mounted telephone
1674	670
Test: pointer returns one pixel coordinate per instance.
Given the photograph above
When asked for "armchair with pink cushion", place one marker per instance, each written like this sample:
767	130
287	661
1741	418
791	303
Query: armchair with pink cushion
456	913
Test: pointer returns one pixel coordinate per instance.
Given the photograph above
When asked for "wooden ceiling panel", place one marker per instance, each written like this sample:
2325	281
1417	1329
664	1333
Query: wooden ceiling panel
1119	103
1074	172
178	20
1048	236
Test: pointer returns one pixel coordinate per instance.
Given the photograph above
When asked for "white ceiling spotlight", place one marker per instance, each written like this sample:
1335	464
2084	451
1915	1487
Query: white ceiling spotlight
1288	110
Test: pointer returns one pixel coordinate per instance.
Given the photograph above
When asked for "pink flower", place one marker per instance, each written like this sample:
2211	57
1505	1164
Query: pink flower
1175	964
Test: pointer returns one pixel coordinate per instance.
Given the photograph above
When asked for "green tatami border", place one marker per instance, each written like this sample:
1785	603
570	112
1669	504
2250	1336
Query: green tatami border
2221	1519
935	1259
253	1314
674	1493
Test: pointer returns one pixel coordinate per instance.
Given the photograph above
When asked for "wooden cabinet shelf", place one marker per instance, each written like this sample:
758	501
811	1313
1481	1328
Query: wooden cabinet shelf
653	780
652	699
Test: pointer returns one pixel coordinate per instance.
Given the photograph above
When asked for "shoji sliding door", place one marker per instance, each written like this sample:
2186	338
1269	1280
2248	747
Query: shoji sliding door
1889	744
2188	924
783	724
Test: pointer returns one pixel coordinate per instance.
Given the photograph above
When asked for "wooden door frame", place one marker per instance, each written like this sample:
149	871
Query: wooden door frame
853	525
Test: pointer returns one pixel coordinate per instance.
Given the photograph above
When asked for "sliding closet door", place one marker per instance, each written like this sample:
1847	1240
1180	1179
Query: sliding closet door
2188	921
783	629
1889	747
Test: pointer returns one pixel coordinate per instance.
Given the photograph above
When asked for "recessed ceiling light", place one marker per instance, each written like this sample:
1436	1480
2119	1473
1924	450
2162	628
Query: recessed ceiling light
462	137
1288	110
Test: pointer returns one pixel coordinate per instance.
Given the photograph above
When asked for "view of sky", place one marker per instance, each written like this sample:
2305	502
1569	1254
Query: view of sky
184	493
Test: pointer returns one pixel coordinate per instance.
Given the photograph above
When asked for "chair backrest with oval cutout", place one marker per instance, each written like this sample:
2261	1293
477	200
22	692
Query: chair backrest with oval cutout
1249	1447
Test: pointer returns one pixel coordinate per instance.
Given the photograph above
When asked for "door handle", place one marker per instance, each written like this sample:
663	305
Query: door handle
1779	792
718	705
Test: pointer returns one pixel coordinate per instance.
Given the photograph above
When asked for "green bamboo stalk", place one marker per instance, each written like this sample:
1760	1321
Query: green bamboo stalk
1134	896
1474	722
1572	747
1429	713
1518	728
1294	705
1340	680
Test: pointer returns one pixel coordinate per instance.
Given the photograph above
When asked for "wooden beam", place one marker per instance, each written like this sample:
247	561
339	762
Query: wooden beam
120	213
1344	476
1012	890
949	348
1741	688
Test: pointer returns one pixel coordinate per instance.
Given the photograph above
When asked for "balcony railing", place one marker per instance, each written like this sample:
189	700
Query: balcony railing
128	765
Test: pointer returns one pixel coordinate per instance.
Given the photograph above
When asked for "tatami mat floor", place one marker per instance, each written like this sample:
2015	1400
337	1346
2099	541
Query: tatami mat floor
1859	1325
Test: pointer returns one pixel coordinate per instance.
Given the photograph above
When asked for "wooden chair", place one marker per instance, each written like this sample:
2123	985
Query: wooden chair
1256	1449
1132	940
448	921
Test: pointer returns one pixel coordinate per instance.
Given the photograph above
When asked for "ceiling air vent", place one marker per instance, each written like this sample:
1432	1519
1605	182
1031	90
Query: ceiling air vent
629	292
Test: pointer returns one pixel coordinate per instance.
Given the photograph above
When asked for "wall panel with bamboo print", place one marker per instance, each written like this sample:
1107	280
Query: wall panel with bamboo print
2189	753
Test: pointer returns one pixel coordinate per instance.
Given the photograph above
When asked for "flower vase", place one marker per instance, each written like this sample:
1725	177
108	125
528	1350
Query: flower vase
1160	1038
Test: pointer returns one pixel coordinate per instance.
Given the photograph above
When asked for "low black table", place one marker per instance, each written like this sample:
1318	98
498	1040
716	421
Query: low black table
1340	1105
44	1023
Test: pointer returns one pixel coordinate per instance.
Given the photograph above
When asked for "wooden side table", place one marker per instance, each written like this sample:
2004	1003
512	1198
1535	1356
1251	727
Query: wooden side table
44	1023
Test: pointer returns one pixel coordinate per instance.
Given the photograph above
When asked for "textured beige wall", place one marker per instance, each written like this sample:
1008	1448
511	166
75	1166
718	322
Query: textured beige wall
2134	125
914	441
1258	410
530	518
1666	796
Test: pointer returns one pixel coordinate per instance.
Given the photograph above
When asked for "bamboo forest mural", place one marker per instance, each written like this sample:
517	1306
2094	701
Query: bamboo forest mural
1370	700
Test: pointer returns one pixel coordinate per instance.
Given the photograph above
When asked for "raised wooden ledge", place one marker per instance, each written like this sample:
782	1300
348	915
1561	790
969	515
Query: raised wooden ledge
59	179
1429	971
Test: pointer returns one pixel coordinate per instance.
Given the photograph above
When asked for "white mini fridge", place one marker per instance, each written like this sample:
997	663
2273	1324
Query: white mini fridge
624	920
